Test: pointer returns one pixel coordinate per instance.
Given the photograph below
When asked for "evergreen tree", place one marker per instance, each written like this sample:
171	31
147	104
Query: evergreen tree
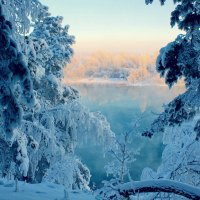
180	120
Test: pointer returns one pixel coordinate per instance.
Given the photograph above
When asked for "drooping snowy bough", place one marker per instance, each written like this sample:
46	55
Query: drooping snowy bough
136	187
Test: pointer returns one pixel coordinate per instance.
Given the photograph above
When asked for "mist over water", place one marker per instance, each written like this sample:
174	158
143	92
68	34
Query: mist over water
122	105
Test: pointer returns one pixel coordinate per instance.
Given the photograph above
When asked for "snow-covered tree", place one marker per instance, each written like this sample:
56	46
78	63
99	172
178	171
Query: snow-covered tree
180	59
58	40
16	90
72	173
58	122
180	120
49	51
47	133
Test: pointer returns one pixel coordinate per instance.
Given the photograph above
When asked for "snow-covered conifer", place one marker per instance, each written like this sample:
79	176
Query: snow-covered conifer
180	120
42	118
180	59
15	81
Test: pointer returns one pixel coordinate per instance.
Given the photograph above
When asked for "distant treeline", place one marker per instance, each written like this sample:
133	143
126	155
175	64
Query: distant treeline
108	66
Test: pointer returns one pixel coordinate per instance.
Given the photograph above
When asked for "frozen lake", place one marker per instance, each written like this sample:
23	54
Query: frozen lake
121	104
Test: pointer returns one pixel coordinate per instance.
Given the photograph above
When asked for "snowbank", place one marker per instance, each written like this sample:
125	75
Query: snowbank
42	191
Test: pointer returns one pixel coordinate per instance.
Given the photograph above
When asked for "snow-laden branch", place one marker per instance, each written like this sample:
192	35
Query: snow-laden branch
168	186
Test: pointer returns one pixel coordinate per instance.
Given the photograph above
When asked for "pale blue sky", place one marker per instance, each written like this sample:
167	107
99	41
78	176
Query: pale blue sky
116	25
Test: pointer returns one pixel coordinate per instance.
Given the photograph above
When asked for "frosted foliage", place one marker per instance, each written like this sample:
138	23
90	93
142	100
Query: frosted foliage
76	176
14	162
54	135
180	135
43	150
181	156
6	156
182	108
22	155
52	93
59	42
72	124
14	74
49	50
22	14
55	123
180	58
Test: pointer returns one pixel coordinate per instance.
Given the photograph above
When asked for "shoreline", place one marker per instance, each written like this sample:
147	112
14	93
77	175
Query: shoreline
115	82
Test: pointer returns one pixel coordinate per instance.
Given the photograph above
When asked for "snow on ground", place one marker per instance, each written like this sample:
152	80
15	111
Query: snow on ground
42	191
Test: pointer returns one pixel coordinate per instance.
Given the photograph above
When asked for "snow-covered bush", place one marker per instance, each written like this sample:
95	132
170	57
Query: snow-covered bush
72	173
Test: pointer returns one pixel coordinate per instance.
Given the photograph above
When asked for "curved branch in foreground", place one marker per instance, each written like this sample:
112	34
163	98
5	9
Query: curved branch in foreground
168	186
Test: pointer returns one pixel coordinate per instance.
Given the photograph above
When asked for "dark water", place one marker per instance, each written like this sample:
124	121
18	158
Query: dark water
122	105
